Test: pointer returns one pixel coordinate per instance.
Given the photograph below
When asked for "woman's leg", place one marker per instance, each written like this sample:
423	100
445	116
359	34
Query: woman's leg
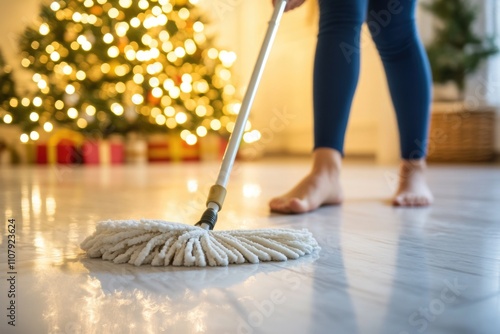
336	72
394	31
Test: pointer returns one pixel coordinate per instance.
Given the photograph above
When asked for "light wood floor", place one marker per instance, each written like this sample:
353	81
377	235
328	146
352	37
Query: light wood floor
381	269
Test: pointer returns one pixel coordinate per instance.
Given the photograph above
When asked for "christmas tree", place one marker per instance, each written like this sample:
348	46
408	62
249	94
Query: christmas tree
456	50
113	66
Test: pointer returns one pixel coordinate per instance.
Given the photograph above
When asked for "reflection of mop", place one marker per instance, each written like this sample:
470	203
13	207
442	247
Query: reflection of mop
177	281
162	243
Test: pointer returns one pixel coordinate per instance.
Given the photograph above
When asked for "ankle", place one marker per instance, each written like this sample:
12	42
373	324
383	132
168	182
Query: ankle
409	166
326	161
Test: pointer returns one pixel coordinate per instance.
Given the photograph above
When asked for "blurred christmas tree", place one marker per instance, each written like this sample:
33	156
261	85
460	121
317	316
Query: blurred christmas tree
456	50
113	66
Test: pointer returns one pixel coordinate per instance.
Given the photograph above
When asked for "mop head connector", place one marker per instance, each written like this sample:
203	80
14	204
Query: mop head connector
161	243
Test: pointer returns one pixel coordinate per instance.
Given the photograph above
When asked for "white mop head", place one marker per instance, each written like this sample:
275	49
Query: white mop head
161	243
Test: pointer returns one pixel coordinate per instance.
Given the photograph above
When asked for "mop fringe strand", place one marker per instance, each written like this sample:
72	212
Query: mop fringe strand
161	243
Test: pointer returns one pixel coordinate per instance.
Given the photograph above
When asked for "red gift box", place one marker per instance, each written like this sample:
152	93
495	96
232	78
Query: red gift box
117	152
41	154
103	152
62	147
67	152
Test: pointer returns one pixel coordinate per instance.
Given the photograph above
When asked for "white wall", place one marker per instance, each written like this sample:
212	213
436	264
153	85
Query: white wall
14	17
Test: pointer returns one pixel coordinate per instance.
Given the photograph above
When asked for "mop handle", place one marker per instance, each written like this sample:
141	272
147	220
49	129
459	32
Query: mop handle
218	190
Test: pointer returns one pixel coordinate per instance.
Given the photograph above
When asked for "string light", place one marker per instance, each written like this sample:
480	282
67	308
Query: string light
167	8
81	123
117	109
215	124
70	89
135	22
44	29
130	54
212	53
251	136
186	87
190	46
90	110
169	111
125	3
108	38
137	99
59	105
48	127
143	4
105	68
183	13
37	101
42	84
174	92
201	110
113	52
201	131
156	11
191	139
34	135
154	82
198	26
24	138
55	6
120	87
113	13
160	119
181	117
121	28
7	119
80	75
77	17
180	52
138	78
157	92
171	123
72	113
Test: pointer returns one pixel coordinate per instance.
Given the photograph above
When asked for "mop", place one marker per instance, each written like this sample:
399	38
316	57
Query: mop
161	243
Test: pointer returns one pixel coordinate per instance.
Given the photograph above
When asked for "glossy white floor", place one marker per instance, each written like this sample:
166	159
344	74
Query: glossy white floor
381	269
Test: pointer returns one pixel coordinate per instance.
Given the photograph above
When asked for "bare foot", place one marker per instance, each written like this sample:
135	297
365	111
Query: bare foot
413	189
320	187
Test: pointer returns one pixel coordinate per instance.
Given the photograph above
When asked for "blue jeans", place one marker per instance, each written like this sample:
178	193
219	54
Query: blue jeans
336	69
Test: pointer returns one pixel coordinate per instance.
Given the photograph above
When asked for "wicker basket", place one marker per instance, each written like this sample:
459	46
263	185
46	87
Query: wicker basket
459	134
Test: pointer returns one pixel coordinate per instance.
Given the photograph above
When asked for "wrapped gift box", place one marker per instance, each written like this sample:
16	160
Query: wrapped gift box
136	149
41	154
68	152
159	151
163	148
103	152
63	147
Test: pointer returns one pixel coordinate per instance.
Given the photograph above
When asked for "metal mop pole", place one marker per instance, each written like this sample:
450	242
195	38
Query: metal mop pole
218	190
